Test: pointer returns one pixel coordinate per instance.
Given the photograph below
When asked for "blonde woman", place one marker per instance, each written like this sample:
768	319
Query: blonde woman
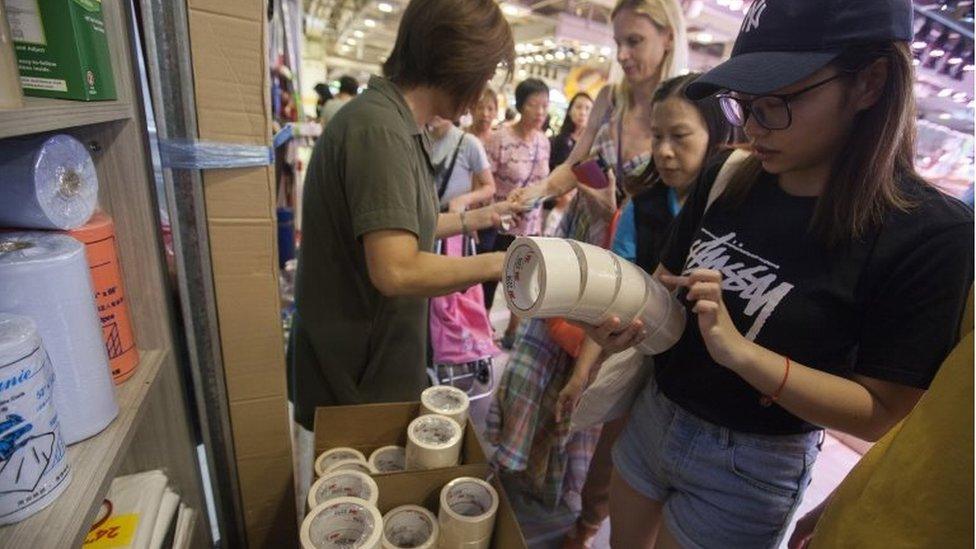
532	448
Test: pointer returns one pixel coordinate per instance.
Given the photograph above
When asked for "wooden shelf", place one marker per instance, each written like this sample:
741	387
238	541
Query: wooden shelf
41	115
93	464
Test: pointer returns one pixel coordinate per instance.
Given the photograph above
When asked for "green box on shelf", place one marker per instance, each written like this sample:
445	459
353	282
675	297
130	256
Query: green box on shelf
62	50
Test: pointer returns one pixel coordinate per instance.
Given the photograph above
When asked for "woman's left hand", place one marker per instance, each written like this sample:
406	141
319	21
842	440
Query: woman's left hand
506	214
724	342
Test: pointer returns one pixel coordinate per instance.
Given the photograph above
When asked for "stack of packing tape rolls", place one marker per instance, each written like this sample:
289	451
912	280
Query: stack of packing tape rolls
331	459
33	463
433	441
554	277
467	512
447	401
344	522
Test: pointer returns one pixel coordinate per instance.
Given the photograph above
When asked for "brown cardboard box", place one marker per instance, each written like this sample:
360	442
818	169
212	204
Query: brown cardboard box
424	488
370	426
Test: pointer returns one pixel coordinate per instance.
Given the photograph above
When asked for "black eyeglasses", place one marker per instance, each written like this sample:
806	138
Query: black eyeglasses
772	111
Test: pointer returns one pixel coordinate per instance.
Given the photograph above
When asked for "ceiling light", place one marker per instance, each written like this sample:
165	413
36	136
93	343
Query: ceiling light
538	58
358	34
369	23
549	57
384	7
514	10
919	44
735	5
916	62
343	49
945	92
954	60
548	43
351	41
605	50
603	59
704	37
968	68
520	48
584	55
560	55
960	97
937	53
522	73
945	116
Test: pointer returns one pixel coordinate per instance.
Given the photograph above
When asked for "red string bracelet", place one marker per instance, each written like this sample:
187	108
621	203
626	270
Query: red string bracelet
768	400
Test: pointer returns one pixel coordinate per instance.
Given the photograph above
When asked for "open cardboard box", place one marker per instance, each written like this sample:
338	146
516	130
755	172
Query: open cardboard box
367	427
424	488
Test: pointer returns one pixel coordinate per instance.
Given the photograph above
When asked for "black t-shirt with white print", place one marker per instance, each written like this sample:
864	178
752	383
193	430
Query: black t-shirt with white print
887	307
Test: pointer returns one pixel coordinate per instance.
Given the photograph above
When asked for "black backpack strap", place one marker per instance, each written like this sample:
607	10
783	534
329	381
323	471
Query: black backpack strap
442	187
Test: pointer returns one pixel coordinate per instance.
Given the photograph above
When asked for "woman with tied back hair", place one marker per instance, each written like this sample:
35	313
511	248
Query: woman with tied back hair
366	267
823	278
533	451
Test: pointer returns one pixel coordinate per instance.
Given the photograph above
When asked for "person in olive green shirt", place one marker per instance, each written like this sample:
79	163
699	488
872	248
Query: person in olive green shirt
366	267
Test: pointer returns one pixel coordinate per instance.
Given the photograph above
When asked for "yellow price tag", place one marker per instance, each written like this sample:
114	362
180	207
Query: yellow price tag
115	532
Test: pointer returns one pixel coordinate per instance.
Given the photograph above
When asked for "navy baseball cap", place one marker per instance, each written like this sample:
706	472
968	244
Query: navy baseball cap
784	41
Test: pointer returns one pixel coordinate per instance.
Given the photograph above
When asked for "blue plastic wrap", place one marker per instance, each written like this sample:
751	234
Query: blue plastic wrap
202	155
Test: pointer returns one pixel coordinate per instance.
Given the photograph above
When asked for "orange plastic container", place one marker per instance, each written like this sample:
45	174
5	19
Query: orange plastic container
98	236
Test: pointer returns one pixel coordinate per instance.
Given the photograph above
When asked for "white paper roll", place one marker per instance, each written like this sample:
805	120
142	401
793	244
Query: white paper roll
329	457
33	463
410	526
343	523
467	511
447	401
46	183
664	319
542	277
45	276
601	281
433	442
343	483
388	459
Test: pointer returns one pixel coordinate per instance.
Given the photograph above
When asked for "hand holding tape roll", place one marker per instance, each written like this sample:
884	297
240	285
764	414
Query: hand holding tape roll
343	483
343	523
433	441
467	512
447	401
327	459
552	277
410	526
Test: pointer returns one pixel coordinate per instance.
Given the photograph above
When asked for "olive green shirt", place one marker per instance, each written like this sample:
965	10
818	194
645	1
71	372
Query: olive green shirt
370	170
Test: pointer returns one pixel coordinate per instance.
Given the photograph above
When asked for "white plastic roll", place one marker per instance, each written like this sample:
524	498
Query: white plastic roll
664	318
329	457
542	277
433	442
601	282
388	459
354	464
33	463
467	511
46	183
341	483
632	296
45	276
447	401
410	526
343	523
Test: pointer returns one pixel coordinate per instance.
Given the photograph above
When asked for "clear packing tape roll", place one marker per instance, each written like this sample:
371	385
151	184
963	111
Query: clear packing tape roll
554	277
433	442
46	183
335	484
329	458
410	526
447	401
45	276
342	523
467	512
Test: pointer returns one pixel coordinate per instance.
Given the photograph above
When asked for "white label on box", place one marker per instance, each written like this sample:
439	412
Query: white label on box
49	84
24	17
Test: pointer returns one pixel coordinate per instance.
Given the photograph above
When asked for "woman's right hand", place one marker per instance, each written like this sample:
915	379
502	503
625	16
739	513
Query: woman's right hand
568	397
612	337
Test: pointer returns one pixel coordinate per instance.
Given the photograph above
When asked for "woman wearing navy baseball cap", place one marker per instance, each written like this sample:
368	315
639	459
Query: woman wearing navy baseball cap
824	279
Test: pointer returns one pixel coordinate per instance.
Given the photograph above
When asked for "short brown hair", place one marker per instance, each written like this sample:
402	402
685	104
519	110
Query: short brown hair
453	45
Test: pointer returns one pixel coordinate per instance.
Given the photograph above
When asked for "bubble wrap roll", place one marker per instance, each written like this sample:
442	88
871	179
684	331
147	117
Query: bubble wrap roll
46	183
45	276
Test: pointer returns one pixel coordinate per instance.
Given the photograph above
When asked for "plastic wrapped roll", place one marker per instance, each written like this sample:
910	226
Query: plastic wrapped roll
46	183
342	523
447	401
664	318
11	96
388	459
98	236
410	527
601	282
45	276
336	484
329	457
542	277
33	462
467	511
433	442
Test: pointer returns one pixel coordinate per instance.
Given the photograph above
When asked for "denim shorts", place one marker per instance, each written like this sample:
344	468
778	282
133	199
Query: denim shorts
720	488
